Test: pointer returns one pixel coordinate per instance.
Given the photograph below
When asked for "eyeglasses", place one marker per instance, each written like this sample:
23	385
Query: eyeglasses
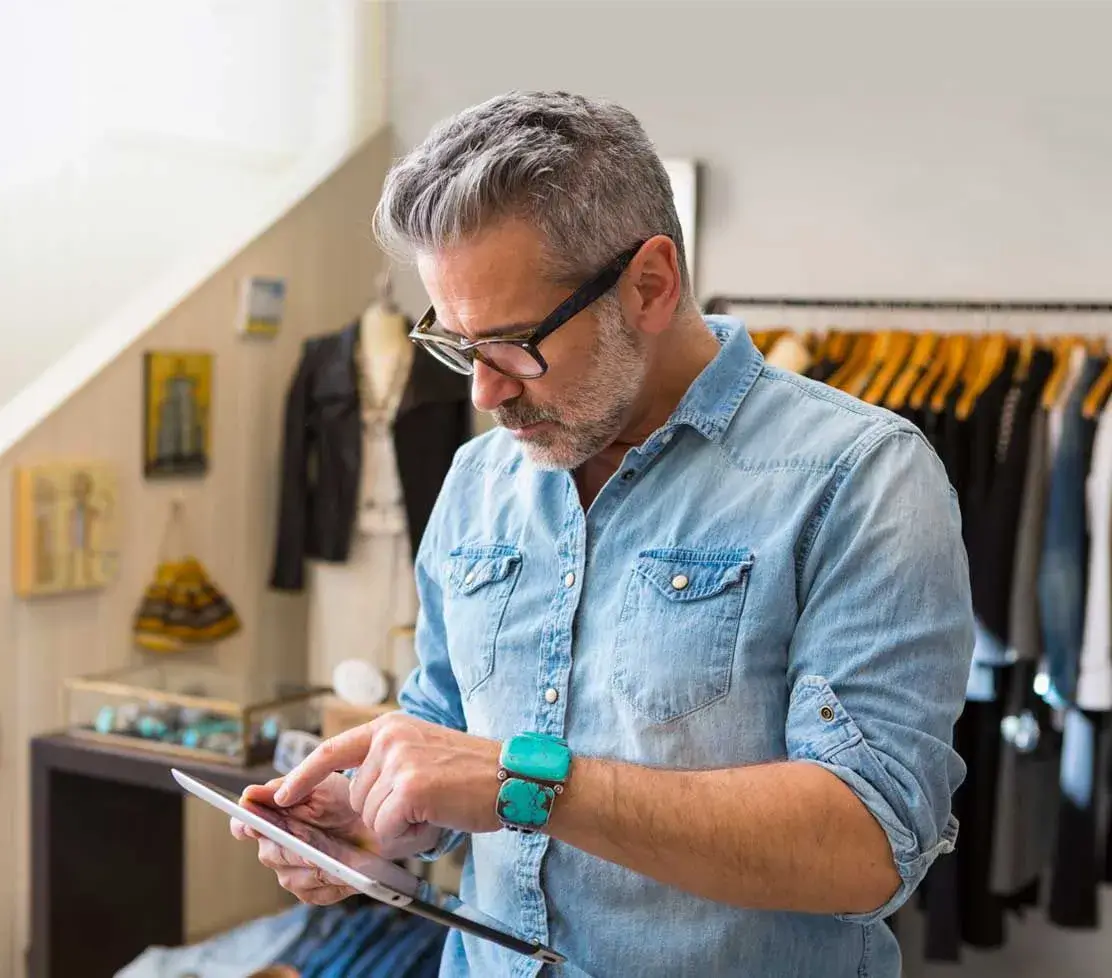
515	355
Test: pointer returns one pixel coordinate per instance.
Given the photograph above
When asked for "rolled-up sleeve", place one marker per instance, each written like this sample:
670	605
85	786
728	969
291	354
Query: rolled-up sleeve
882	648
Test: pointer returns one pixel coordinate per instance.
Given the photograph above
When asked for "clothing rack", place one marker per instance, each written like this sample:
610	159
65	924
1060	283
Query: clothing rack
723	303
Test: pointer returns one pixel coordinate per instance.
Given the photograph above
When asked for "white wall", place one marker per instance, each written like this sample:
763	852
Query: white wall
135	135
849	148
881	149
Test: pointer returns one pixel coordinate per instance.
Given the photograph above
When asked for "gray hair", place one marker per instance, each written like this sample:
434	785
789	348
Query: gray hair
581	170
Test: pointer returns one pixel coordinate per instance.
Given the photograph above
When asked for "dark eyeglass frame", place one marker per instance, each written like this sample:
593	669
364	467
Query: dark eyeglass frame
437	344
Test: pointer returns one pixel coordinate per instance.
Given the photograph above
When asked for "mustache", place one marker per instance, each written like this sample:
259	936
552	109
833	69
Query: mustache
519	415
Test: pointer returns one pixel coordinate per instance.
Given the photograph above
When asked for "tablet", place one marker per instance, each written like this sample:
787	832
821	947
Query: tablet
365	872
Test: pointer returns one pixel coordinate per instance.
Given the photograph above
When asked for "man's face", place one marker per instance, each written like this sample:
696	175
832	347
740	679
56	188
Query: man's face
596	363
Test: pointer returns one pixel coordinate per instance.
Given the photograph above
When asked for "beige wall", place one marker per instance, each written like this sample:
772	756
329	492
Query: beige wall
323	248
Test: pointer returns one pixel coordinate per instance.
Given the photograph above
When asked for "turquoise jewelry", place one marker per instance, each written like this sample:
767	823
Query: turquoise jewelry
533	768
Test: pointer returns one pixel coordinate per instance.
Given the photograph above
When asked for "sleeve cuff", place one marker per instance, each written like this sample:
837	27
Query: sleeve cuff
911	862
823	733
448	841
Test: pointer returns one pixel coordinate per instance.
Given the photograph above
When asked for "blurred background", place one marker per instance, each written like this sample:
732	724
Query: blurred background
192	180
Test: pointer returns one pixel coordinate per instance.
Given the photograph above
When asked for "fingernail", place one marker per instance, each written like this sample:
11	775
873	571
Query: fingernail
281	795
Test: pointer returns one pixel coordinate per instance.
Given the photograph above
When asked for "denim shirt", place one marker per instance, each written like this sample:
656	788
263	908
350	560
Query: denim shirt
776	573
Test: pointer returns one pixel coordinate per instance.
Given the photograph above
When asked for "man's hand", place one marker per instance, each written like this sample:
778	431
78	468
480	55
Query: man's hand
412	775
327	807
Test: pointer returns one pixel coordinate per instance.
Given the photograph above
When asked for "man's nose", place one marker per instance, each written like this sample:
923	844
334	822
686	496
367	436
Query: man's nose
490	389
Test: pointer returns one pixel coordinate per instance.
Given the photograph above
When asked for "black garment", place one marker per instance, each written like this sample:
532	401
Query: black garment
1001	446
1074	898
322	453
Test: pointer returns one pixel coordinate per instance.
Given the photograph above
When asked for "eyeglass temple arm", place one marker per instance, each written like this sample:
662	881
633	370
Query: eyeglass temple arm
585	295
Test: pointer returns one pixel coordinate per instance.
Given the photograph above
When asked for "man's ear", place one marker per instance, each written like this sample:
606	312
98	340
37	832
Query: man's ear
654	285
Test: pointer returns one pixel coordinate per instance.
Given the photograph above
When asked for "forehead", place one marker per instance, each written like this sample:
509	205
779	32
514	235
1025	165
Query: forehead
490	281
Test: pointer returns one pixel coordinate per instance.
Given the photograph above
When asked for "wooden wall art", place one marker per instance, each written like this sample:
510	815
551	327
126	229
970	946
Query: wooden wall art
66	527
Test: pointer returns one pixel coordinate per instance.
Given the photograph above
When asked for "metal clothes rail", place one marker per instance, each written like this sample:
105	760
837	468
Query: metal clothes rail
723	303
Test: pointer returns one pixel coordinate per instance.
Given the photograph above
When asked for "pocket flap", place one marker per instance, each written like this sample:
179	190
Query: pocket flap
472	568
688	575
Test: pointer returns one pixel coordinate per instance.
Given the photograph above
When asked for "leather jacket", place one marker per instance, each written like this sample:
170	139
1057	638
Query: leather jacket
322	451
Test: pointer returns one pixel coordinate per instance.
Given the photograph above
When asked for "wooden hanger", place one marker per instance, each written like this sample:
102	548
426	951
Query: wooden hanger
1063	348
989	362
918	361
858	352
895	358
1025	350
926	383
1097	395
874	359
958	352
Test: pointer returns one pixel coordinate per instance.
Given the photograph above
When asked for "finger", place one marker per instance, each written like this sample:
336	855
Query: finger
347	749
378	794
392	819
307	891
273	856
261	794
304	880
365	779
242	831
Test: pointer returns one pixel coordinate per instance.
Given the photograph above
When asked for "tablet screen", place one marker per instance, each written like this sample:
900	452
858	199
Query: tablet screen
366	871
369	864
365	863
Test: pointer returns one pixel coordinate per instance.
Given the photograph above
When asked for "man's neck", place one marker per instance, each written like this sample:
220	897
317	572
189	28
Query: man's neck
683	354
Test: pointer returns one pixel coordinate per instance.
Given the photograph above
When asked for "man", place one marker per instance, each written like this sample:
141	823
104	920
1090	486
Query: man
740	597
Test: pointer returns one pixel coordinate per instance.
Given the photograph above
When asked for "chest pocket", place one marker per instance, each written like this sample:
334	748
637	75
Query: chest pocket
678	630
479	582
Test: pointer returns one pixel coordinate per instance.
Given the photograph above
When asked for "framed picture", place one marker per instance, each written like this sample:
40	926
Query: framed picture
66	533
683	175
177	413
262	303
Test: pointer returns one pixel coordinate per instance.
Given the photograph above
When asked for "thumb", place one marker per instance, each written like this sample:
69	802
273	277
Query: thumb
262	794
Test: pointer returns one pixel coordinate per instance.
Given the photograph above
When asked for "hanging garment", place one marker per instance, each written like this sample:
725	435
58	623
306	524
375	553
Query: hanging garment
1083	784
322	452
1064	565
1026	789
789	353
354	605
1024	628
1094	678
1002	445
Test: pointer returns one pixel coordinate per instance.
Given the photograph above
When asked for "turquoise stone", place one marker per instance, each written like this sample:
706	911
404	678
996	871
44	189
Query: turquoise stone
537	756
525	803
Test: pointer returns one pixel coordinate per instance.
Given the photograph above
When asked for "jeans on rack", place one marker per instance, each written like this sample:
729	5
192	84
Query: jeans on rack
1065	557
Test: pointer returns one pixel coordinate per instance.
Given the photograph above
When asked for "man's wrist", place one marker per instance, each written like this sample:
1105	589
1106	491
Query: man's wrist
533	769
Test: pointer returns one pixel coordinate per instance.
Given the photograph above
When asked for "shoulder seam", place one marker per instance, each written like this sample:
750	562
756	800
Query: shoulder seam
846	463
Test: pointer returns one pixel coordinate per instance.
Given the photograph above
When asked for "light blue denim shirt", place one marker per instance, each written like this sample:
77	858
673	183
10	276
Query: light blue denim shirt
826	619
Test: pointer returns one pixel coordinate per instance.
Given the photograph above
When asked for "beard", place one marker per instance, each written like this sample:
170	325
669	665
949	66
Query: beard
598	404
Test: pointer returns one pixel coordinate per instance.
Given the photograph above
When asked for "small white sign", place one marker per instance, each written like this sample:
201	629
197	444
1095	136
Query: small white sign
262	305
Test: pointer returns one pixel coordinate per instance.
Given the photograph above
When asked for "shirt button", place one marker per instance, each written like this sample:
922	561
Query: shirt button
679	582
628	474
569	579
469	577
550	695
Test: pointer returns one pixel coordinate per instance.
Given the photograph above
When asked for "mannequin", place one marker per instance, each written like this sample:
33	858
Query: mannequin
354	605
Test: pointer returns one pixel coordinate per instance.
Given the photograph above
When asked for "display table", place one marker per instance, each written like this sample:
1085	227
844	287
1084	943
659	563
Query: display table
107	874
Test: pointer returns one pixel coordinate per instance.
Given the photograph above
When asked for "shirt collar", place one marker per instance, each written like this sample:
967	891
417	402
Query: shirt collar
714	397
